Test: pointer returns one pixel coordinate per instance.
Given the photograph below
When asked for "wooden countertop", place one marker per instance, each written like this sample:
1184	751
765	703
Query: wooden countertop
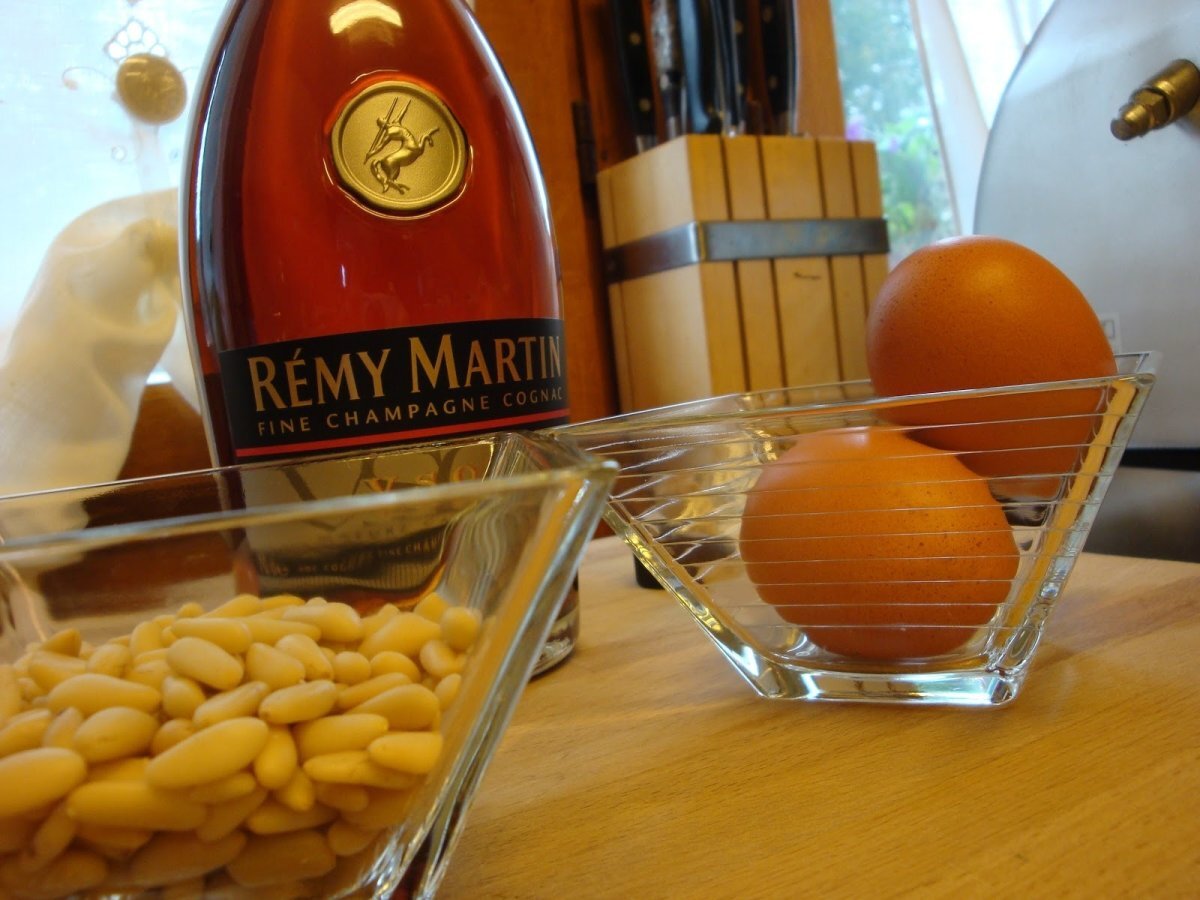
645	767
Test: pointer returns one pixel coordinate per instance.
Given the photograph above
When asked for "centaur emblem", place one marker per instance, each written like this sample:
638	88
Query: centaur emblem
387	169
398	148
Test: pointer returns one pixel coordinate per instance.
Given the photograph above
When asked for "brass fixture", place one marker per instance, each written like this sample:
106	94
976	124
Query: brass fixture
1161	99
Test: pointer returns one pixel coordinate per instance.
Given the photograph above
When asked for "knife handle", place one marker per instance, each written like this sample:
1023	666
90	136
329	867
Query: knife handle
754	74
706	104
668	66
781	63
633	58
729	64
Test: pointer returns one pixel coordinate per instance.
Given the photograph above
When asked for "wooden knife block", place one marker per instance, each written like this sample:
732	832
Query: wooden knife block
716	327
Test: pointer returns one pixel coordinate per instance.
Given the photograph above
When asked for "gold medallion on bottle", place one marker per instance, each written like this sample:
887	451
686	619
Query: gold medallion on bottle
399	148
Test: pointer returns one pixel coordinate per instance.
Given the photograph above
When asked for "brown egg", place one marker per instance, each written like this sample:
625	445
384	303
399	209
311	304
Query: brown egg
979	312
877	546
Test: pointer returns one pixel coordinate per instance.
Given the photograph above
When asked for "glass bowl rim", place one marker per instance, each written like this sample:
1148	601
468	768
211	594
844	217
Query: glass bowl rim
575	464
1140	366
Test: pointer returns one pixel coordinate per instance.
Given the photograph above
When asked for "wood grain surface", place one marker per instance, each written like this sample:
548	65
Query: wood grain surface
645	767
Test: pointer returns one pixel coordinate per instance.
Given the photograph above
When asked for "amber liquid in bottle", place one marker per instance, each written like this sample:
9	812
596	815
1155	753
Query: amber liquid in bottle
370	259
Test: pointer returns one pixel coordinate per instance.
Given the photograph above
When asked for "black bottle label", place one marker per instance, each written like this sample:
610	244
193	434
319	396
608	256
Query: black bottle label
394	385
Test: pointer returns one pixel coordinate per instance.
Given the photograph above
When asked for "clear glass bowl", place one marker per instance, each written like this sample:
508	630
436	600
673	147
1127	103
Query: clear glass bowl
117	585
1047	453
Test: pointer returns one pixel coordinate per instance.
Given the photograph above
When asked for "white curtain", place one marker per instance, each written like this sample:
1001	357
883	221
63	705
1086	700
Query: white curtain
969	49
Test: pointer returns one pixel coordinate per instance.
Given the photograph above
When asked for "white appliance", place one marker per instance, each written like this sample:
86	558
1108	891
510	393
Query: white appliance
1122	219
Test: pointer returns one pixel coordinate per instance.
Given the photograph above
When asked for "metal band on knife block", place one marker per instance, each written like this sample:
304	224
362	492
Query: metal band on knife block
698	242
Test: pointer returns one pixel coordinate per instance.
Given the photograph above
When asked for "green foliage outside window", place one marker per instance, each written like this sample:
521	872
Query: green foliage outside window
886	101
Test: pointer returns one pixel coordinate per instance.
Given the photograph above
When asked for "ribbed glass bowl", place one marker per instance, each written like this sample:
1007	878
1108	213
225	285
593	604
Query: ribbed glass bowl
437	570
687	471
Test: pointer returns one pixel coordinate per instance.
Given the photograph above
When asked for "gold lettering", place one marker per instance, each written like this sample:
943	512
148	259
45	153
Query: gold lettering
433	368
527	345
327	378
556	369
477	365
375	370
296	381
505	351
262	376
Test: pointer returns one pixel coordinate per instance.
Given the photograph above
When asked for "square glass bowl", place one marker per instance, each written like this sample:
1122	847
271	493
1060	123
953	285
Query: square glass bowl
345	734
871	594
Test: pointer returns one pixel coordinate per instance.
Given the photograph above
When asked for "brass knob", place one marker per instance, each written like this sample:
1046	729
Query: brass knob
1161	99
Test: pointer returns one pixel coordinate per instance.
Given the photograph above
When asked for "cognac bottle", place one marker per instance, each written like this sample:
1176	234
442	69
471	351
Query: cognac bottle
369	253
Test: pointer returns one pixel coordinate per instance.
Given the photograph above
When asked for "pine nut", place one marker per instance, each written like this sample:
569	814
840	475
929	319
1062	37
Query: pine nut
24	731
209	754
92	692
110	659
144	637
446	690
243	700
334	734
150	672
115	733
53	836
31	779
268	629
173	857
231	635
275	818
386	808
415	752
405	633
350	667
171	733
308	651
439	659
205	662
355	767
236	608
344	797
282	858
239	784
409	707
299	703
352	696
388	661
10	694
346	840
432	606
133	804
339	622
181	696
281	601
225	818
460	627
278	761
51	669
298	794
68	642
273	667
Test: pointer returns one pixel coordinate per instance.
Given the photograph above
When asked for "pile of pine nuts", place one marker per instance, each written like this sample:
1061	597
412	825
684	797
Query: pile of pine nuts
263	744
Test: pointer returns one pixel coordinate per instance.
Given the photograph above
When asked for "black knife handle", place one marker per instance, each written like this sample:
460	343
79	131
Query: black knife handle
781	62
668	64
633	58
737	56
705	96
